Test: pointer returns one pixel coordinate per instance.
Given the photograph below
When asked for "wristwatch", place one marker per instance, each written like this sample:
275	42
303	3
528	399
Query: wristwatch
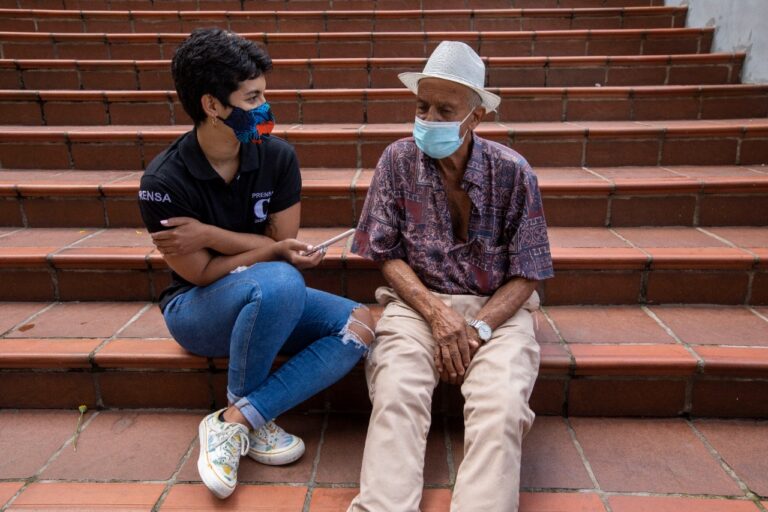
483	329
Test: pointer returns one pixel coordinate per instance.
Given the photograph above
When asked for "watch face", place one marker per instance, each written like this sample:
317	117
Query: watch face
484	331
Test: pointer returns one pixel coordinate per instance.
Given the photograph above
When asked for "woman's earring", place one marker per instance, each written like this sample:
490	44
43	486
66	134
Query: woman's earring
215	121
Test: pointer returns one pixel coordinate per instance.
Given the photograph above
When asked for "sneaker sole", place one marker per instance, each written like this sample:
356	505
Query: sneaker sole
288	455
207	475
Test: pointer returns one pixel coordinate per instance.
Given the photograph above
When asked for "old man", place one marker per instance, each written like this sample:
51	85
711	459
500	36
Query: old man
458	226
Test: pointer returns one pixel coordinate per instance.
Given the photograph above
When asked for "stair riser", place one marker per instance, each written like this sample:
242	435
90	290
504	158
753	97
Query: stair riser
591	283
374	45
348	150
301	107
615	210
314	5
664	396
538	72
329	21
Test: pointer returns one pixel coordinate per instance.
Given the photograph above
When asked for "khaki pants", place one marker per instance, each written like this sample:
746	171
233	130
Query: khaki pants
401	378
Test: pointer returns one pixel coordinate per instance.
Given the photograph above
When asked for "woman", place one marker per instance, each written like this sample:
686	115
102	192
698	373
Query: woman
222	204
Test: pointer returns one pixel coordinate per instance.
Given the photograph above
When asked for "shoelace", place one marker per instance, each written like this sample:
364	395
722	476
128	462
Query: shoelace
227	435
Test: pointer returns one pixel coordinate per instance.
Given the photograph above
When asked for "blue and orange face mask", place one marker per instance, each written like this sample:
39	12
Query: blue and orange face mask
251	126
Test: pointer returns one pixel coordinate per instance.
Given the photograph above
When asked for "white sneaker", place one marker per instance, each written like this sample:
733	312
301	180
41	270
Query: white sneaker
274	446
221	446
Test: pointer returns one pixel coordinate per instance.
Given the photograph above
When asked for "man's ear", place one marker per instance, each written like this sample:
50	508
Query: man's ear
477	116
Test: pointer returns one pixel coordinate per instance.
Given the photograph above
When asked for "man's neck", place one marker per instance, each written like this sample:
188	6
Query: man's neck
221	149
452	167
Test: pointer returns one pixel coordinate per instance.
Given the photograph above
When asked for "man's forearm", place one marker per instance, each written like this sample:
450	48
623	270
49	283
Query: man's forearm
505	302
410	288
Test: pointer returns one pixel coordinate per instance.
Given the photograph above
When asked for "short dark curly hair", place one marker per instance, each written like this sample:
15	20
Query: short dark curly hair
215	61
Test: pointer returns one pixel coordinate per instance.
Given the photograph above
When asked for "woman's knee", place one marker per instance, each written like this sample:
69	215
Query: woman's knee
277	281
360	326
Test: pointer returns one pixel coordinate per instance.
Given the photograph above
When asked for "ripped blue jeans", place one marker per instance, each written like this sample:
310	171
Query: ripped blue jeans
254	315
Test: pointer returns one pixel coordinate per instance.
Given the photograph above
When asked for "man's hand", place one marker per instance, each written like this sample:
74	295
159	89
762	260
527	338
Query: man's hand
187	235
452	351
474	345
294	252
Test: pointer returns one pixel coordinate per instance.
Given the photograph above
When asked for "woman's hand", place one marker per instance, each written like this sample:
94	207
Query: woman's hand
187	235
295	253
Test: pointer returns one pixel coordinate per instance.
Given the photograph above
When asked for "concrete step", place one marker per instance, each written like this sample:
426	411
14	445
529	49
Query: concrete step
586	197
306	106
325	45
318	5
583	143
568	464
595	361
593	265
696	69
38	20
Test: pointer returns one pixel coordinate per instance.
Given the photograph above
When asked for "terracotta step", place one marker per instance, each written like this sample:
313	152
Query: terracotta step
587	197
630	360
47	107
714	68
593	265
152	46
38	20
318	5
584	143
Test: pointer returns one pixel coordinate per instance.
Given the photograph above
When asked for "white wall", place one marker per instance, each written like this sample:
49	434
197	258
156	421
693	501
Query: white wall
741	25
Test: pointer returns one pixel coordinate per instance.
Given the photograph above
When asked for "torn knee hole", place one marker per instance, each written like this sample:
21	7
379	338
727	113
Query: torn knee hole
359	327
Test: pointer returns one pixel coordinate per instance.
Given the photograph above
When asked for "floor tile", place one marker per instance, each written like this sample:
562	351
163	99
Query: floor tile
134	439
8	490
307	427
672	504
550	459
743	445
195	497
584	237
743	236
45	237
669	237
118	237
149	325
620	324
544	331
659	456
713	325
88	496
25	454
338	499
11	313
560	502
342	452
79	320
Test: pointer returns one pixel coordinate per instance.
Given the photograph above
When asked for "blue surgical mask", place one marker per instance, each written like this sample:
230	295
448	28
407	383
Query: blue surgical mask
439	139
251	125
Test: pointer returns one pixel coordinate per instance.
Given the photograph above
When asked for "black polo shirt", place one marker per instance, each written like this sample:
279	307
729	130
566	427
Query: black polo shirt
180	182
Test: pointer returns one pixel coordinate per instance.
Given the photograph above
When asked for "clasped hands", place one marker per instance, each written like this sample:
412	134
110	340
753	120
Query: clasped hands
456	343
187	235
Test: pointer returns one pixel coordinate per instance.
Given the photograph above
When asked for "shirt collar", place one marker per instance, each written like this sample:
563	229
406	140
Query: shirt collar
198	165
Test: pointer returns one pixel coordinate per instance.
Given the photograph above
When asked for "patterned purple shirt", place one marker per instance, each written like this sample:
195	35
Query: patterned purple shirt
406	216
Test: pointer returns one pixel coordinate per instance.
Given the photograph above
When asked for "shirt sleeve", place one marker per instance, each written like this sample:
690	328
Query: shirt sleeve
529	253
288	186
159	201
378	234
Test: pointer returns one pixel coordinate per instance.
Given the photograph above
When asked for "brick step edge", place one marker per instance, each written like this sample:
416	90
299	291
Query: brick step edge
582	379
305	106
696	196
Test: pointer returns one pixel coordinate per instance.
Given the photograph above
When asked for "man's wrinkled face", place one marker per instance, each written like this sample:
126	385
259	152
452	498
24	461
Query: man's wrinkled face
442	100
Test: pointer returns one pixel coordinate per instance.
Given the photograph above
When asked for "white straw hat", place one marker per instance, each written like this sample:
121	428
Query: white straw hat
457	62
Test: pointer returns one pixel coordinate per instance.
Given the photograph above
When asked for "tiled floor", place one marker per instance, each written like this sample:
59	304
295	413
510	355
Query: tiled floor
144	460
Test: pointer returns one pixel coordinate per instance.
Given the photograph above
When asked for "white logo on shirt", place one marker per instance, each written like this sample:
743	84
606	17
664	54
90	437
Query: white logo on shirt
261	206
155	197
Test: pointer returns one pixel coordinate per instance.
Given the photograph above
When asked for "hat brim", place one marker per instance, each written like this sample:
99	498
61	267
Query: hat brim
411	81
